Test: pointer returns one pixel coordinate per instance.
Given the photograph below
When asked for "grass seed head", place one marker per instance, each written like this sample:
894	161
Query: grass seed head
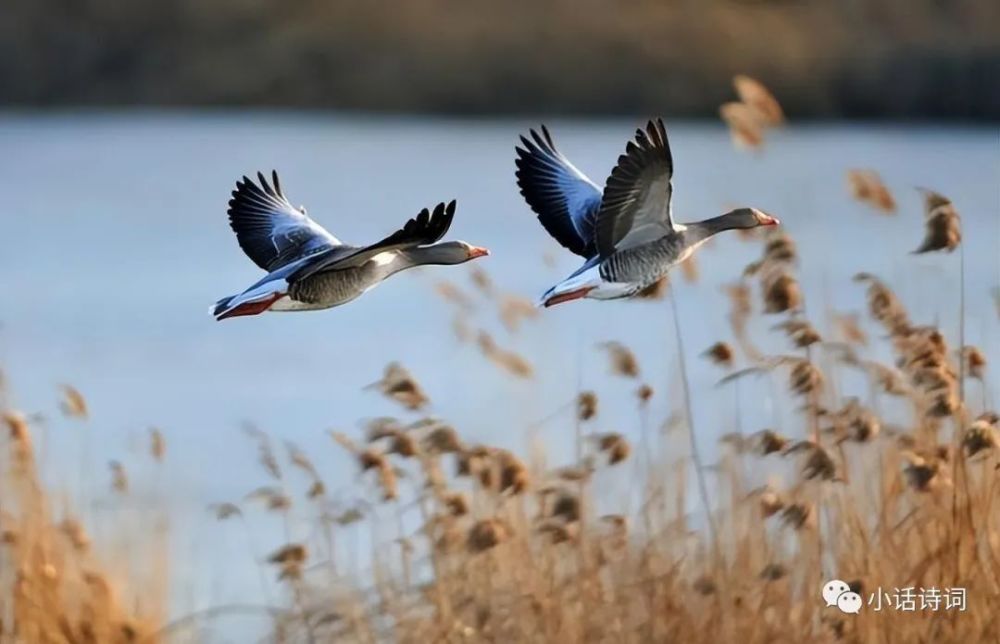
623	361
157	444
74	531
265	453
316	489
586	405
864	426
781	293
299	459
720	353
514	310
119	479
922	476
704	585
780	249
884	306
383	427
279	502
759	99
867	186
371	459
513	472
482	281
942	403
558	532
454	295
975	362
291	553
769	441
805	378
798	516
819	465
20	434
773	572
615	446
739	300
73	404
388	481
456	503
744	125
442	439
513	363
980	436
933	201
926	469
576	474
888	380
223	511
486	534
566	507
850	329
801	332
770	503
399	385
403	444
942	226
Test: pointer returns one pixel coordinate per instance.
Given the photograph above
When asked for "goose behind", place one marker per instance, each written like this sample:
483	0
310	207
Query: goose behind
308	268
626	233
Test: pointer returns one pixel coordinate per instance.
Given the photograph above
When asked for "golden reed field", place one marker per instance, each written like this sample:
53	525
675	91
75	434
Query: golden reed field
509	549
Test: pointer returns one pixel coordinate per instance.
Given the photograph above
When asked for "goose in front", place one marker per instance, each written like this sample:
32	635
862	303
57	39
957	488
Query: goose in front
627	234
308	268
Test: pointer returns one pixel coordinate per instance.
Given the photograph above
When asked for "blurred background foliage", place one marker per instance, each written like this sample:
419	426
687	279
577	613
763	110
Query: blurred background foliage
840	59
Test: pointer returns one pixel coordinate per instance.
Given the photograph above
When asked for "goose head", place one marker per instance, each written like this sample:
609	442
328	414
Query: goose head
450	252
747	218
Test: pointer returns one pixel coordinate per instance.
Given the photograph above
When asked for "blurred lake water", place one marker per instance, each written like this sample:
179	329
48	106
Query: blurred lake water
116	242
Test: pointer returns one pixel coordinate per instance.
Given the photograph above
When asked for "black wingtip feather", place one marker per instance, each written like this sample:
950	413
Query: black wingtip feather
648	152
277	183
252	209
548	137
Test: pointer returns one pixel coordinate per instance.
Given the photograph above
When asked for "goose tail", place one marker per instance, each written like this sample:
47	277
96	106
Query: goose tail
575	287
253	301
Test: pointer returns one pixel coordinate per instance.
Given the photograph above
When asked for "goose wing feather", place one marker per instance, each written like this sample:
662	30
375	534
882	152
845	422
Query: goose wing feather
635	207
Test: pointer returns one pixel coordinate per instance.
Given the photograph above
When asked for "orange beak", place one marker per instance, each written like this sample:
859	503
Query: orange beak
478	251
765	219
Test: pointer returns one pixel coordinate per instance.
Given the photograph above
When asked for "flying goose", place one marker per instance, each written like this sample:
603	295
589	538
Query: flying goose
627	235
308	268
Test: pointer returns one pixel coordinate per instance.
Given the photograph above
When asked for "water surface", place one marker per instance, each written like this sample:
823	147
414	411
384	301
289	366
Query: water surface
116	243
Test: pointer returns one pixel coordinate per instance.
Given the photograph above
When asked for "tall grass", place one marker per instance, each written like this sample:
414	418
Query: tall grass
475	543
58	586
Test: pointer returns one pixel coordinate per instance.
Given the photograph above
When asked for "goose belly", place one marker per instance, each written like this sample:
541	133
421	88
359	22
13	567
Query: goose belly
288	304
643	265
326	290
597	287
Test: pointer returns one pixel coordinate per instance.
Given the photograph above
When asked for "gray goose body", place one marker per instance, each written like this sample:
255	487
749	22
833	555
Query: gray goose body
326	290
645	263
310	269
626	233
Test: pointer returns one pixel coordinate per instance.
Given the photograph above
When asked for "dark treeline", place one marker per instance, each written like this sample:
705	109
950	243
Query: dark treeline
822	58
